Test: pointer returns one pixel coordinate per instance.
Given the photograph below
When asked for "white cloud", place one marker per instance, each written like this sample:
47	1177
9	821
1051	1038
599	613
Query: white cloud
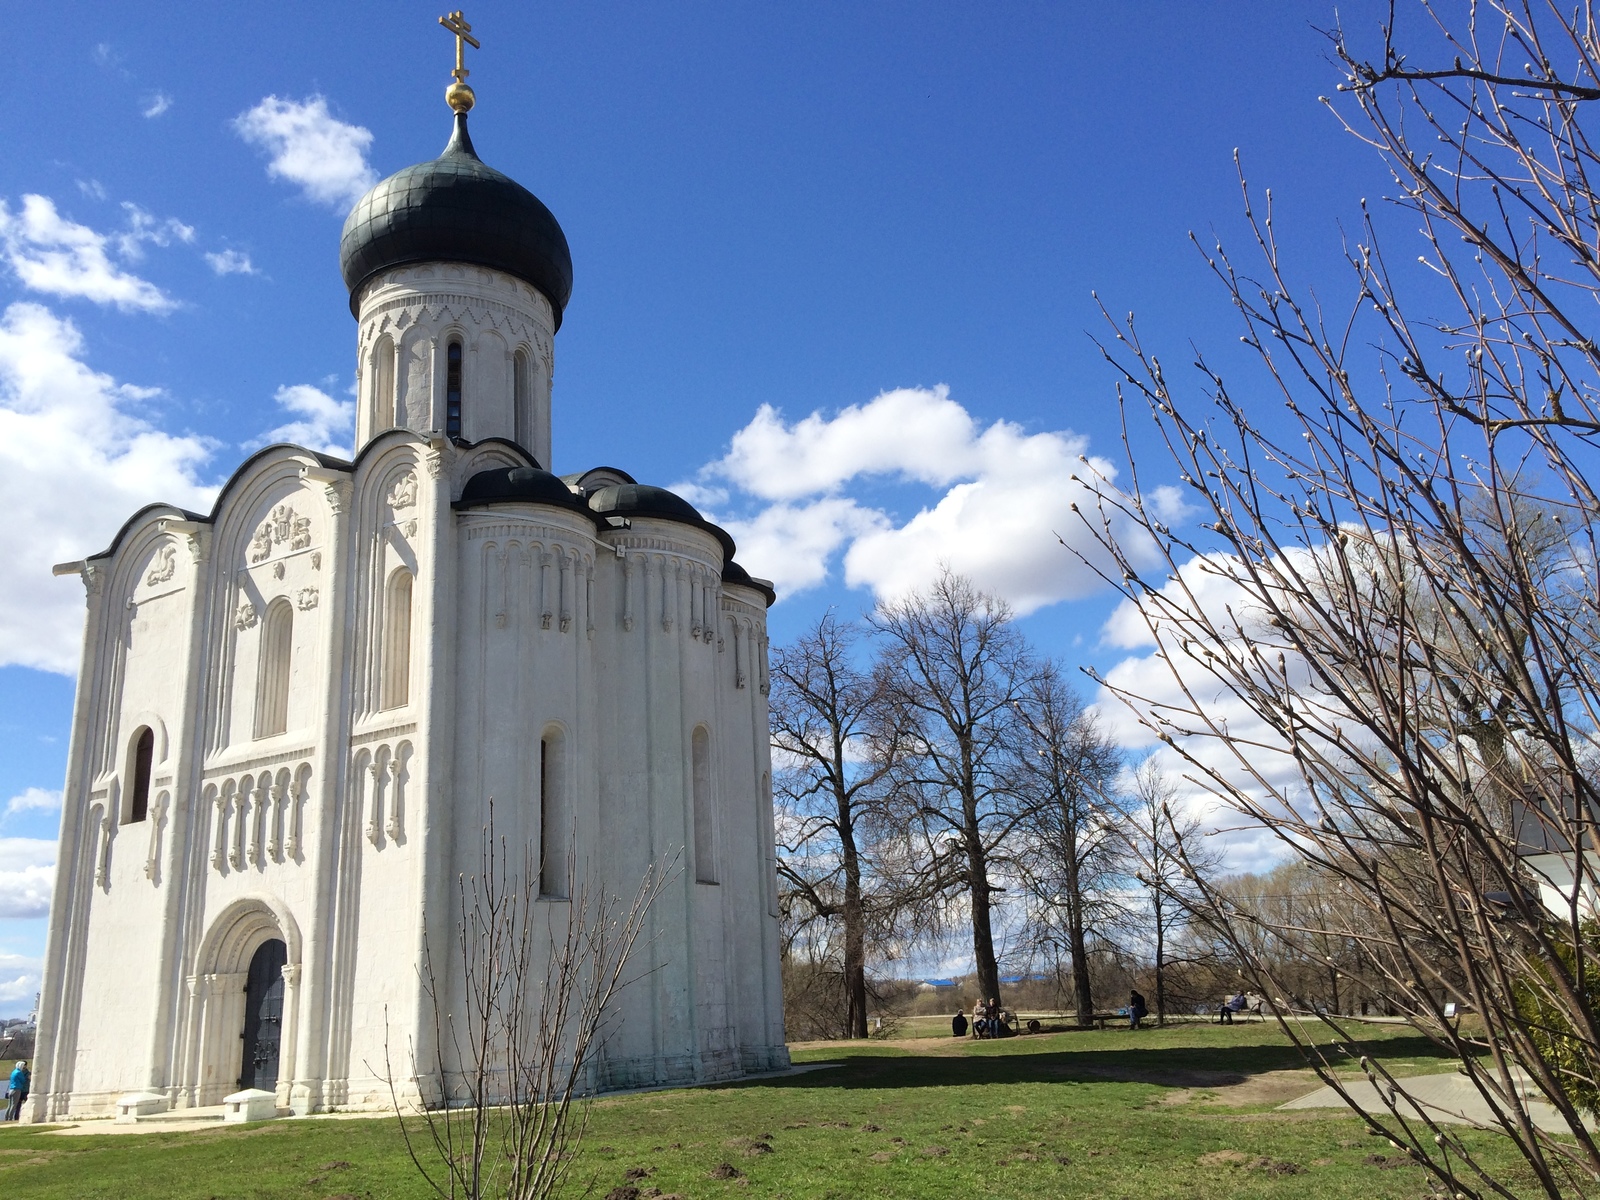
1003	504
790	544
27	873
310	147
156	104
146	227
916	433
325	424
92	188
76	460
19	984
53	254
34	799
231	262
1170	681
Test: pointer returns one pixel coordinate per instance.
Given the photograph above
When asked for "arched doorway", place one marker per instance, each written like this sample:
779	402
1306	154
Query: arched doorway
263	1016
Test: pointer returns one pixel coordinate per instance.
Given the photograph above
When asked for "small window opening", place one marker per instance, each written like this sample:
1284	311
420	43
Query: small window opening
144	752
705	850
554	820
452	390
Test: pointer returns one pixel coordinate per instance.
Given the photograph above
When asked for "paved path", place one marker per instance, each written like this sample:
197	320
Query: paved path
1448	1098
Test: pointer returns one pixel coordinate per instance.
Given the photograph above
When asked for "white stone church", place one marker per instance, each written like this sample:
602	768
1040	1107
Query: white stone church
293	711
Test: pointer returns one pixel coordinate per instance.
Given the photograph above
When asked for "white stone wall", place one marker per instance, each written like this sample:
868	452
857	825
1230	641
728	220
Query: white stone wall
408	317
344	834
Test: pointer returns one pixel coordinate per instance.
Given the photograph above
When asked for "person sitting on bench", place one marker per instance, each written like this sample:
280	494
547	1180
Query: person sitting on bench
958	1024
1231	1005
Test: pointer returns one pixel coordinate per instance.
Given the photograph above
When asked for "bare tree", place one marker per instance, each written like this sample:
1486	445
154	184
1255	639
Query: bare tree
1070	846
1171	860
535	984
834	752
1370	599
954	668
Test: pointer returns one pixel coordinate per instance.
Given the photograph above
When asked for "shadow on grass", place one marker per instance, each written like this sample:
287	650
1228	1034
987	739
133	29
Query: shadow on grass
1171	1066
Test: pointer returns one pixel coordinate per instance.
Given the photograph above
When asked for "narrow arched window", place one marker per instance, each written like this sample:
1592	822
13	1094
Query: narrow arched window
272	675
705	848
144	753
384	412
555	819
452	390
520	405
395	689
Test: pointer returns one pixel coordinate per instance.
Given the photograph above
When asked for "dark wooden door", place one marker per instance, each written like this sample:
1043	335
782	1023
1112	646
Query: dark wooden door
263	1016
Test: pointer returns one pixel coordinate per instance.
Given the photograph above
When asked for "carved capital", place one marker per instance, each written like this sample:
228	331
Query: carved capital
196	534
335	488
93	576
439	455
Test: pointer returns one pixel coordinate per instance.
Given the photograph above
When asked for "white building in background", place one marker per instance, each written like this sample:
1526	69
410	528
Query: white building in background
292	711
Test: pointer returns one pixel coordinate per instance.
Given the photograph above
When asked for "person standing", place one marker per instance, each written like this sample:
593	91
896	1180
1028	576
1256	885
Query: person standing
18	1091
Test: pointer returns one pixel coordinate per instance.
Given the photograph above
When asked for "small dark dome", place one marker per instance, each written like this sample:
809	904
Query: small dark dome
732	572
643	500
456	209
520	485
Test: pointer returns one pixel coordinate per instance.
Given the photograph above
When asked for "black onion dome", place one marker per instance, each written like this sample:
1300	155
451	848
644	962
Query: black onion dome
520	485
456	209
643	500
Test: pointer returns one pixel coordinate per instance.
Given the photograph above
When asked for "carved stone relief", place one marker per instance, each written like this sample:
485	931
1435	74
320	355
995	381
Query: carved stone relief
282	526
164	567
403	492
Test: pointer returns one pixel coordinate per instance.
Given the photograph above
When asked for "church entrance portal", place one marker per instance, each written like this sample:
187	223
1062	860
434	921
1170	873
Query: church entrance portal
263	1016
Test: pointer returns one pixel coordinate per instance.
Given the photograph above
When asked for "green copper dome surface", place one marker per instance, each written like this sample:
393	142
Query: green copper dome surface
456	209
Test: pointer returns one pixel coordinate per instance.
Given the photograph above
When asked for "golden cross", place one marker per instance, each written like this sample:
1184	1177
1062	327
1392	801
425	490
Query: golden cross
457	25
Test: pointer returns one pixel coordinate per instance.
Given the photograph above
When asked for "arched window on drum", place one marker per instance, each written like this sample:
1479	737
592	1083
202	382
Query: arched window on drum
384	412
452	390
521	401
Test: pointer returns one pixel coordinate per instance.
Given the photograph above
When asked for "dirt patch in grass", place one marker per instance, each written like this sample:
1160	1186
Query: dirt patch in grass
1268	1087
1234	1089
1250	1162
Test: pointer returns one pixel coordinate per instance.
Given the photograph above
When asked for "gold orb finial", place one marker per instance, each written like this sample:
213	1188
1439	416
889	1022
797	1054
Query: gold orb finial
458	95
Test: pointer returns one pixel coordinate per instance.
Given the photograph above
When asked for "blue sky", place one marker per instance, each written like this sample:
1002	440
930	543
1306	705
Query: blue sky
892	216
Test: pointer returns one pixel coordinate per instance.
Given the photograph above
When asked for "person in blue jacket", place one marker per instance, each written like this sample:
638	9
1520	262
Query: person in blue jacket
18	1091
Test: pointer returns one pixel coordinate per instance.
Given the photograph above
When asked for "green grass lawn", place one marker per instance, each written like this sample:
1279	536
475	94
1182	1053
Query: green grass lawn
1180	1112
